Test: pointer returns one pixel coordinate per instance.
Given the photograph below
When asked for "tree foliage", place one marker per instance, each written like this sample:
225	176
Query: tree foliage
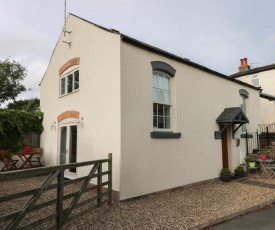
29	105
15	124
11	76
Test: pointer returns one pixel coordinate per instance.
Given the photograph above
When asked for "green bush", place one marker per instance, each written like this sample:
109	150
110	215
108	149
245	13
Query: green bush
14	124
225	171
240	168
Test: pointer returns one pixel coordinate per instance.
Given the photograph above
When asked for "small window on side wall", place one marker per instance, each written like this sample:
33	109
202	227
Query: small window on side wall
255	80
69	82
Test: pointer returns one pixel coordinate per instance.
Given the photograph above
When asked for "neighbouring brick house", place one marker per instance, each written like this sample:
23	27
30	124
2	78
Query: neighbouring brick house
167	120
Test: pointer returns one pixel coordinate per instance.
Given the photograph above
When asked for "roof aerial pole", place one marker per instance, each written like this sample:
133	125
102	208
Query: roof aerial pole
64	27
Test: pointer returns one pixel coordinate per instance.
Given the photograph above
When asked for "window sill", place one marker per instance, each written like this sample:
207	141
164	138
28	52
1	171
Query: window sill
156	134
64	95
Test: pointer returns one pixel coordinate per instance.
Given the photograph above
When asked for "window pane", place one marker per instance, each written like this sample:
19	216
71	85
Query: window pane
161	95
255	82
160	109
155	81
155	95
167	97
166	110
63	85
167	122
70	83
166	83
155	121
76	79
160	82
160	122
155	106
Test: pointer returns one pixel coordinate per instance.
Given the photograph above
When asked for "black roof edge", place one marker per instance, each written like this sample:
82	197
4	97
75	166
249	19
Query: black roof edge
254	70
186	61
267	96
161	52
101	27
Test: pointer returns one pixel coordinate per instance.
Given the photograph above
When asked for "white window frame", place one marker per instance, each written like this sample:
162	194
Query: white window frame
255	78
159	102
65	76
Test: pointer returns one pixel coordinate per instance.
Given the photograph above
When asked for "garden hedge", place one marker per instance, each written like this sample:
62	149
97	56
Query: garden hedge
15	124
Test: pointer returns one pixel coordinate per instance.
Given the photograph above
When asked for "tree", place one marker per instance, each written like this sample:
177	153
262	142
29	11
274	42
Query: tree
11	75
29	105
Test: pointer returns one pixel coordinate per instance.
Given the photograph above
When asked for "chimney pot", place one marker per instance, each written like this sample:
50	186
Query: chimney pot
244	66
241	62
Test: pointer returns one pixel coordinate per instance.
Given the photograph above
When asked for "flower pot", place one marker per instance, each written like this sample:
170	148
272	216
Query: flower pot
27	149
239	173
225	177
252	164
263	157
37	150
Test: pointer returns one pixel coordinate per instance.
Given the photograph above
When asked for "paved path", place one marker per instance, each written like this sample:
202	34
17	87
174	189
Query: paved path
259	220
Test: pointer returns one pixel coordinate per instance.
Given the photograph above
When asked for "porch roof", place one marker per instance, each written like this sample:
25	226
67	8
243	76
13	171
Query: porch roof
234	115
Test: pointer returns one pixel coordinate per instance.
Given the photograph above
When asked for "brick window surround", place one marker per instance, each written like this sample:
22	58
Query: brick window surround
68	114
71	62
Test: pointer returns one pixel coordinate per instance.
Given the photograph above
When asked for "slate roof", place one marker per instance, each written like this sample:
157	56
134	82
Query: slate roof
234	115
253	71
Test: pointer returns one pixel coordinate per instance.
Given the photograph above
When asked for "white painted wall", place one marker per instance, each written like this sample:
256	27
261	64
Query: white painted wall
98	98
149	165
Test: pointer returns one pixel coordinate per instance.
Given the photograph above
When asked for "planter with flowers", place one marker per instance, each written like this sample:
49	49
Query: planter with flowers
27	146
250	161
263	154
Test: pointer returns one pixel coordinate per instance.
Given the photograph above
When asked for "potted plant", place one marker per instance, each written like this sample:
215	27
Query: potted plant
255	151
250	161
225	174
239	171
27	146
263	154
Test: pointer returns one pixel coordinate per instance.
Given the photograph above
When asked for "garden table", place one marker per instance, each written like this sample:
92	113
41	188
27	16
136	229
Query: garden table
265	169
26	159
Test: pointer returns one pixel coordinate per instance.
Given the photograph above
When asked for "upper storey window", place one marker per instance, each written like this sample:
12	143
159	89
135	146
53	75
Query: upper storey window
69	76
255	80
69	82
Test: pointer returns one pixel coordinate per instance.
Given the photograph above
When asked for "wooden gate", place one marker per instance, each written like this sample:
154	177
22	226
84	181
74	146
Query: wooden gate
63	204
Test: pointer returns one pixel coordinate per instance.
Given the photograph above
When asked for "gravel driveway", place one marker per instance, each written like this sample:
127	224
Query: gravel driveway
180	209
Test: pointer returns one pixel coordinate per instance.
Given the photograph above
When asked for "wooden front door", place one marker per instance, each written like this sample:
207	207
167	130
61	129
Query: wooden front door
224	149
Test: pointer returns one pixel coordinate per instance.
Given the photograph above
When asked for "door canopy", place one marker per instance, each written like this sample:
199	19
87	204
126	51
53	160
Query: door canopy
232	116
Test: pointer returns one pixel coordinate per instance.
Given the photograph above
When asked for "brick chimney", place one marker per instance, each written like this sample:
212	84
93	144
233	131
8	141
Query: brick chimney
243	65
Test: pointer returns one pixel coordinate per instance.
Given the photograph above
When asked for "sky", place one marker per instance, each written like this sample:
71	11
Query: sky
213	33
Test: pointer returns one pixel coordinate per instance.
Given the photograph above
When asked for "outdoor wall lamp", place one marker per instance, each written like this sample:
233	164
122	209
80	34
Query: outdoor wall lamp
53	125
80	121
